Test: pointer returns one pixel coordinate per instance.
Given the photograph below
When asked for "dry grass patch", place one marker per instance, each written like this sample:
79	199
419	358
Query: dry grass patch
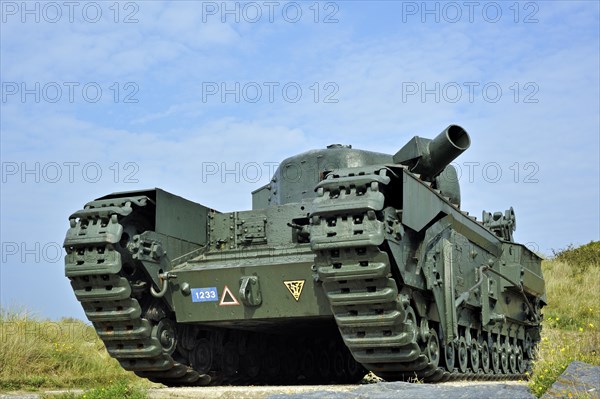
38	353
571	328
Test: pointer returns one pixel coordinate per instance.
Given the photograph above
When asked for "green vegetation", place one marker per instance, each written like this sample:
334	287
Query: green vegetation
118	390
581	258
37	353
572	317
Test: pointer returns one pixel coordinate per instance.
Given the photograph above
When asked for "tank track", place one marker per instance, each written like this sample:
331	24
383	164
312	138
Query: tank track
377	325
130	322
94	266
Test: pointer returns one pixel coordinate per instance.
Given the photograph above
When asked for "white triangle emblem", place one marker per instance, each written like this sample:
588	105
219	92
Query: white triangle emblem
228	299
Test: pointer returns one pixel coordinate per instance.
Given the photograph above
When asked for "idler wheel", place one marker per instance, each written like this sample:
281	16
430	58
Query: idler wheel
474	351
187	337
463	355
529	347
290	365
449	356
201	357
165	332
521	362
250	362
272	364
433	348
337	366
323	361
504	359
485	357
231	358
355	371
324	367
512	359
307	365
495	358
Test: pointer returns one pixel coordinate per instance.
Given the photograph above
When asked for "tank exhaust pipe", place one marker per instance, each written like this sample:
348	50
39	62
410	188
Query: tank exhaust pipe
429	157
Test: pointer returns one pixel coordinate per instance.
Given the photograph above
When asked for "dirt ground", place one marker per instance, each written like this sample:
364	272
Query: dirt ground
380	390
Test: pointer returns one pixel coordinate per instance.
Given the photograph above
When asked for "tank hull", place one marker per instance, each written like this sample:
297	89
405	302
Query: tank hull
376	270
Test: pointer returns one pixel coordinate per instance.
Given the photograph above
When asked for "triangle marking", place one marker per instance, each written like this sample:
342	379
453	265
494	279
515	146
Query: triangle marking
228	301
295	288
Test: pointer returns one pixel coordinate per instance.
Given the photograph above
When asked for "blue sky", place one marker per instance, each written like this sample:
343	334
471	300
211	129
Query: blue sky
99	97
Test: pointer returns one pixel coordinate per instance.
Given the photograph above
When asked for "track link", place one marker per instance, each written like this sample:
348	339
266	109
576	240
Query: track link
348	239
94	266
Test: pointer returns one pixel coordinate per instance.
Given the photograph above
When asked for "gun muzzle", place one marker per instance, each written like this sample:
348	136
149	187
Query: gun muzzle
429	157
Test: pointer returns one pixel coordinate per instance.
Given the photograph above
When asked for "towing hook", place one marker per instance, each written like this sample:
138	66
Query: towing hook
164	279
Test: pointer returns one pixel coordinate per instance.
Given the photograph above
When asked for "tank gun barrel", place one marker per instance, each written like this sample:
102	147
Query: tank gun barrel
429	157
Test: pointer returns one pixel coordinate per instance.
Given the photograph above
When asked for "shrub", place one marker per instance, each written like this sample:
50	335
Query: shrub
580	258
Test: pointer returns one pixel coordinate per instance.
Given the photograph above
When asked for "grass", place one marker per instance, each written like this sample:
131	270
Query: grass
118	390
36	353
571	327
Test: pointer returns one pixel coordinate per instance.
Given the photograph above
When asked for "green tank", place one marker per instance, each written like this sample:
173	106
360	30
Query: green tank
350	261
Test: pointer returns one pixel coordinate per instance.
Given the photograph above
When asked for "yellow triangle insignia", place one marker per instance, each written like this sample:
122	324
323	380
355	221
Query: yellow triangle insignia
295	288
